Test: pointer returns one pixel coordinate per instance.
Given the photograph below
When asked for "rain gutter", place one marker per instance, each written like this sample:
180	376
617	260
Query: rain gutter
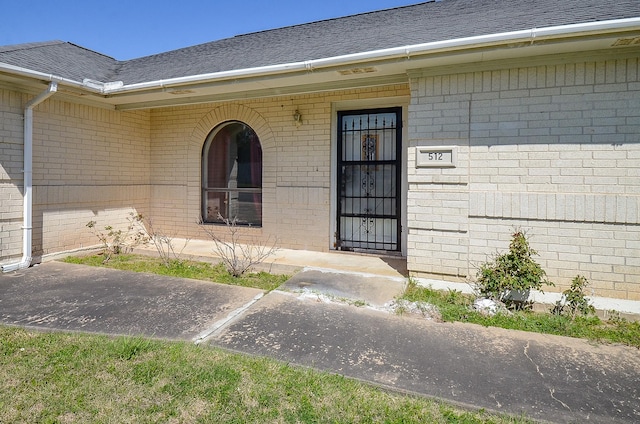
97	88
530	35
405	52
27	227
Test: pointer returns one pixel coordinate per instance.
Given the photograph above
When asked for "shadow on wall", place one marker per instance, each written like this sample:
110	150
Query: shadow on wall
399	264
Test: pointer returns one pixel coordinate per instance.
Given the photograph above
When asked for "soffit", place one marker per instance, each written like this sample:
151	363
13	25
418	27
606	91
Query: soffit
376	72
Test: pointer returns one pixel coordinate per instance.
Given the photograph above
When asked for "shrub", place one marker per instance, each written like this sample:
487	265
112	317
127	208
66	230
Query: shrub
574	301
118	241
510	273
162	241
139	230
237	258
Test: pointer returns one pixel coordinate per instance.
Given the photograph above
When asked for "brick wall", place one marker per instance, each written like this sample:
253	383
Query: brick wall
11	177
89	164
552	149
296	163
98	164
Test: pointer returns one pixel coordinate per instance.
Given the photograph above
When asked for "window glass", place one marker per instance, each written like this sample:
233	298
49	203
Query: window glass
232	175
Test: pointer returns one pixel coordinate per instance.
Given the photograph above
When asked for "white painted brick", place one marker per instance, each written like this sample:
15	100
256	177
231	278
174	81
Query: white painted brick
587	177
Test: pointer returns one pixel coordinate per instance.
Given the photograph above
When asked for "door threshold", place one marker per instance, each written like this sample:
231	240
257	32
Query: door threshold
374	252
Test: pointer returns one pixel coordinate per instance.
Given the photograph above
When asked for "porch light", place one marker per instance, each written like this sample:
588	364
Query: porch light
297	117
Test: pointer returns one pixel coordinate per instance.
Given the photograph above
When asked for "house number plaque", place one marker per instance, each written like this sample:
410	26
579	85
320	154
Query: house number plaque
436	156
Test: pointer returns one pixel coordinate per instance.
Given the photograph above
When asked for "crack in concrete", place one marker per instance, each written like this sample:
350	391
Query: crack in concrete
493	396
552	391
526	348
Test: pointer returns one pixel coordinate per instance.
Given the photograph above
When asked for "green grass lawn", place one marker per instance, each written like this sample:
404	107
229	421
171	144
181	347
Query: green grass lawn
455	306
79	378
183	269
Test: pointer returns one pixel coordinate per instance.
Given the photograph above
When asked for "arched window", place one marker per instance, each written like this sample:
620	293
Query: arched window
232	175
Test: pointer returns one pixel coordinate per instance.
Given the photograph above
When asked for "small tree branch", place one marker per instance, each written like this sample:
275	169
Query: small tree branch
237	257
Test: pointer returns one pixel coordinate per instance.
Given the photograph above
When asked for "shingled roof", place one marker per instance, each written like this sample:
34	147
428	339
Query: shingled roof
420	23
60	58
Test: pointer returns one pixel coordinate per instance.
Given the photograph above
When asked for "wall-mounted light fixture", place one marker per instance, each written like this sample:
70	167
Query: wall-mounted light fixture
297	117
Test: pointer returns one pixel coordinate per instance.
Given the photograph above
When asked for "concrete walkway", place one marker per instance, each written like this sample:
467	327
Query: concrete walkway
288	261
546	378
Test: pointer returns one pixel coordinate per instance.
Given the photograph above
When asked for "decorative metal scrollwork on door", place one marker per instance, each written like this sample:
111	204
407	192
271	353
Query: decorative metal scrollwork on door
369	146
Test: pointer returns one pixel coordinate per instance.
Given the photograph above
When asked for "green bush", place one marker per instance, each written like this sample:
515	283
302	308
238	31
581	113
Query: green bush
574	301
512	272
118	241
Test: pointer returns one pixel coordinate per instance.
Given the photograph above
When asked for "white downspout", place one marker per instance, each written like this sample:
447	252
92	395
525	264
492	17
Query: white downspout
27	226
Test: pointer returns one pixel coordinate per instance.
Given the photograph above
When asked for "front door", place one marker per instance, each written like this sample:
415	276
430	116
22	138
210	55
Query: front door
369	180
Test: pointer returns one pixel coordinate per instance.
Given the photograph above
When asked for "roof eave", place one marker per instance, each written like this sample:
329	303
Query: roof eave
529	36
284	75
43	76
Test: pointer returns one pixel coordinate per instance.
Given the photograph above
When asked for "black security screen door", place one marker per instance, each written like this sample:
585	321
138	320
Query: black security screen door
369	155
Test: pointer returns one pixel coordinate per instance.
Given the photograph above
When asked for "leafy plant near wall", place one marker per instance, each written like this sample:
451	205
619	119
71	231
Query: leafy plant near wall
122	240
574	302
139	230
237	257
511	273
452	306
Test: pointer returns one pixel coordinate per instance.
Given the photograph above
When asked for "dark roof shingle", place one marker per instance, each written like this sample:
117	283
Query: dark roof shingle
60	58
